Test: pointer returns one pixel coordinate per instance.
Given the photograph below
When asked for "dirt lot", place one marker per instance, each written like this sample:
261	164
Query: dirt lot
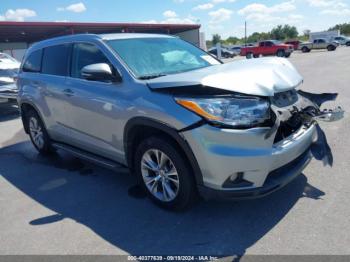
61	205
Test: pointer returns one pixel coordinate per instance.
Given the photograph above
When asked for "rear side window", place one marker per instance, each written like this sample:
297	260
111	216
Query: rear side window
33	62
85	54
55	60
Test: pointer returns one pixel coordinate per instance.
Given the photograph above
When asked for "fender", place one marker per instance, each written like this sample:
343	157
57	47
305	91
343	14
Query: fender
172	132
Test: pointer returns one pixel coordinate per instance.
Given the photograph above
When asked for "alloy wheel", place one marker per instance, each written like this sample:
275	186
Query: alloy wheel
36	132
160	175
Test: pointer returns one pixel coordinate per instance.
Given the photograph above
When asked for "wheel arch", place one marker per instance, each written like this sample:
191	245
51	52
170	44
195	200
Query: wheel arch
24	108
139	128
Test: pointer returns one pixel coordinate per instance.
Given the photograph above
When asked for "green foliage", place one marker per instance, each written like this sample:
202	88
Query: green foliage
344	28
284	32
280	32
232	40
216	39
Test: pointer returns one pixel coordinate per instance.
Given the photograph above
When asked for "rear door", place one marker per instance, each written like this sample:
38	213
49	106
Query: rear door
55	68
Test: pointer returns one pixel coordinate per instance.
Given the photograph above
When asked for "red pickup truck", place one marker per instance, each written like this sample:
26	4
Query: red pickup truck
268	47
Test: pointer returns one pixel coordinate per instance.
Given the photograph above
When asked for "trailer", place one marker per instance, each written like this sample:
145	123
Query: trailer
327	35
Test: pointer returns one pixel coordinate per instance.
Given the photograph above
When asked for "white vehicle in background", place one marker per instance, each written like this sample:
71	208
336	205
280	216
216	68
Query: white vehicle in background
343	40
235	49
8	72
328	35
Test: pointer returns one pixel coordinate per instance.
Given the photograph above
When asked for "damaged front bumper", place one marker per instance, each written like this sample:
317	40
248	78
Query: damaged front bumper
257	161
9	91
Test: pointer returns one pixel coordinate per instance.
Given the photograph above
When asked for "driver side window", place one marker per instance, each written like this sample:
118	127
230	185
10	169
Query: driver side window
85	54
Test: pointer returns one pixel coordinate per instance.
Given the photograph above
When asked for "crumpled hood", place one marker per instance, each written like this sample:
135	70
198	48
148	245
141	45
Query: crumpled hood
261	77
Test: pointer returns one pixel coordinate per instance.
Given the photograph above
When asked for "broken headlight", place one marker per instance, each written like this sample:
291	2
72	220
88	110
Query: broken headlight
237	111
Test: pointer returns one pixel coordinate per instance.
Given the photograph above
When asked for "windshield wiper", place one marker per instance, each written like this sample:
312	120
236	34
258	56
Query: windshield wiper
147	77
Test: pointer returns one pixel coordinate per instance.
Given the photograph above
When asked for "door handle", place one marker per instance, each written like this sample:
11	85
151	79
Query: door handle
68	92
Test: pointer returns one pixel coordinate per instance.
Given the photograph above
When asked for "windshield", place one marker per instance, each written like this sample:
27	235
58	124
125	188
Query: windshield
153	57
276	42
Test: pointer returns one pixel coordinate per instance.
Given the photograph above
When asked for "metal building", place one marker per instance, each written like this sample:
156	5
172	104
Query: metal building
16	37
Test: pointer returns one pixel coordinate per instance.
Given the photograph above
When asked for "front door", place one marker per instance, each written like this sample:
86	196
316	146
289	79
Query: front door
96	108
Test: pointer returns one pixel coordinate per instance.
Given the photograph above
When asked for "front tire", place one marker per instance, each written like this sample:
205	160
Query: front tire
37	133
281	53
164	174
305	49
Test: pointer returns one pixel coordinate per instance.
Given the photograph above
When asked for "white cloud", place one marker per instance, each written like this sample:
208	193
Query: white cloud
223	1
336	12
331	7
327	3
261	8
76	8
18	14
220	15
149	21
204	6
169	14
177	20
261	13
172	18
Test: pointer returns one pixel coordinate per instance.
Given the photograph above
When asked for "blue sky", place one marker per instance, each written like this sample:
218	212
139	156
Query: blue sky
225	17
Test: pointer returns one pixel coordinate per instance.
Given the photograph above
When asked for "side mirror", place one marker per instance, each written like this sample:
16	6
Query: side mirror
99	72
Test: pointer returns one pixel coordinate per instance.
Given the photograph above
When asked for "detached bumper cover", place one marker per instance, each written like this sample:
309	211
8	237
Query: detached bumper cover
275	180
9	91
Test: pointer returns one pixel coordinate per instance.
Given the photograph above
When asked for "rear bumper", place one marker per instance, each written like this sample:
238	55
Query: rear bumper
275	180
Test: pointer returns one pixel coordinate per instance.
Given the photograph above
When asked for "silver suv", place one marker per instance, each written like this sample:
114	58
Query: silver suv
183	122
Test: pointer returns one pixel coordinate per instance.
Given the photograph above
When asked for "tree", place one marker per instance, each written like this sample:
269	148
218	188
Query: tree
306	32
232	40
216	39
278	33
290	32
284	32
344	28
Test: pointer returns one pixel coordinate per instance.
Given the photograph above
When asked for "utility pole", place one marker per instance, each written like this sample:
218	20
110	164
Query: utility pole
245	33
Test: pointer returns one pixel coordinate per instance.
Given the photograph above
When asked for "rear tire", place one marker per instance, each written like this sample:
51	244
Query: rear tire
287	55
249	55
37	133
347	44
331	48
256	56
164	174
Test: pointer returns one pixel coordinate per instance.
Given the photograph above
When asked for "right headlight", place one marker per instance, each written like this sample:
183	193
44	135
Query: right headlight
232	111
